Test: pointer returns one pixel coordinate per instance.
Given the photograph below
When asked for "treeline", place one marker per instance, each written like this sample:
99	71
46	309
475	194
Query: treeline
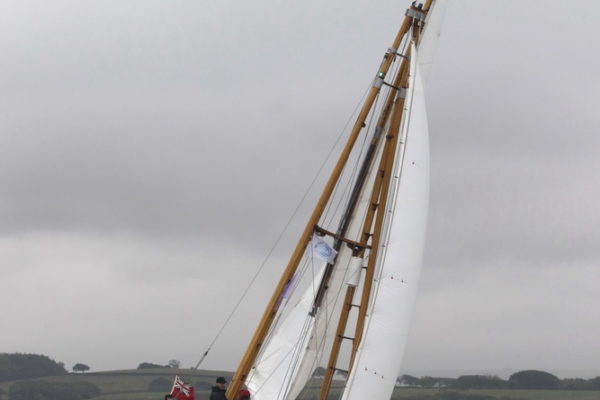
23	366
15	366
529	379
40	390
148	365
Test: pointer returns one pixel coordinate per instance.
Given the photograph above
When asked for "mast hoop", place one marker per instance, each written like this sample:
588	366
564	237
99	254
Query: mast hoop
377	82
401	92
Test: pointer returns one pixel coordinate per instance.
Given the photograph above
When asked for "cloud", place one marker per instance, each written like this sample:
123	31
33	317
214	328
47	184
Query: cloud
152	155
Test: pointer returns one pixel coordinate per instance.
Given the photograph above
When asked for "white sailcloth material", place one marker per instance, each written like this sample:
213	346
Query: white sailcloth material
290	356
430	36
324	328
276	366
378	360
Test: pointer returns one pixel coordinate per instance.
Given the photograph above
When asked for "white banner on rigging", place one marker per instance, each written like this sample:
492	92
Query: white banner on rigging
322	250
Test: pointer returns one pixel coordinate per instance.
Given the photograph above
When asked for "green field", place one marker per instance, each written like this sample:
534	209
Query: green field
407	394
129	384
133	385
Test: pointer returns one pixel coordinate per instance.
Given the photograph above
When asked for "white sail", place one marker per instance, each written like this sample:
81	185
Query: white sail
291	355
275	368
430	36
329	313
379	356
298	343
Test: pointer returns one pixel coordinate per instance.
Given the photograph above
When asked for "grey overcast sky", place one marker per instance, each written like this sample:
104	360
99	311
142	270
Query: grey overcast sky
151	152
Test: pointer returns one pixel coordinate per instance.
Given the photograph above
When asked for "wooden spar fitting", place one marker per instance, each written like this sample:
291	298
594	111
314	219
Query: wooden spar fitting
366	234
270	312
349	242
427	5
416	31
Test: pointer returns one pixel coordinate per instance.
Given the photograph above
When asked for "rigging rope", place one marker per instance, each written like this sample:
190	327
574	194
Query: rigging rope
270	252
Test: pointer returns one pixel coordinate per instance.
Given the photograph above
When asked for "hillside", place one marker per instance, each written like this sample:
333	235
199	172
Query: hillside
131	384
136	385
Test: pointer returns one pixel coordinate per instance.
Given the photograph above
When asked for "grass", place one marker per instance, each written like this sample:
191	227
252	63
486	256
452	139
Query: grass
541	394
129	384
133	385
506	394
513	394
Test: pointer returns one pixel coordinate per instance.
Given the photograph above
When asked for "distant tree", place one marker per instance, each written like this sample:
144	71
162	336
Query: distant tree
174	364
80	367
22	366
147	365
203	385
408	380
428	381
532	379
479	382
593	384
40	390
453	395
573	384
160	385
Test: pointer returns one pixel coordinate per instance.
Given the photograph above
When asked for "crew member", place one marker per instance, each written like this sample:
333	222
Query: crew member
218	391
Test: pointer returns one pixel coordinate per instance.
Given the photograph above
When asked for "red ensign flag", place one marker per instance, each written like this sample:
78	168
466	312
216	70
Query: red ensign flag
181	391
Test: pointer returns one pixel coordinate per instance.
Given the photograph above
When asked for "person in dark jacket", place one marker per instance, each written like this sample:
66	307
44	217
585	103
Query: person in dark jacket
218	391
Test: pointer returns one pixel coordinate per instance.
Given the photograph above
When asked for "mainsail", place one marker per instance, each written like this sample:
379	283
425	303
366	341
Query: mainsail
357	309
379	356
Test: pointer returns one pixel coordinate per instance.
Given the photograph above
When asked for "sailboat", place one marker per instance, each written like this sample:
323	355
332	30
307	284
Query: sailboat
360	252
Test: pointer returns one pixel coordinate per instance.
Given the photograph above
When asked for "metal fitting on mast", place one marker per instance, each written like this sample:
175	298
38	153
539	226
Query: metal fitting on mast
415	14
401	93
378	81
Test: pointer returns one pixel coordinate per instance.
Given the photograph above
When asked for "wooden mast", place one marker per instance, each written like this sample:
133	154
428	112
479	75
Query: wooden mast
270	312
368	280
366	234
378	202
387	165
